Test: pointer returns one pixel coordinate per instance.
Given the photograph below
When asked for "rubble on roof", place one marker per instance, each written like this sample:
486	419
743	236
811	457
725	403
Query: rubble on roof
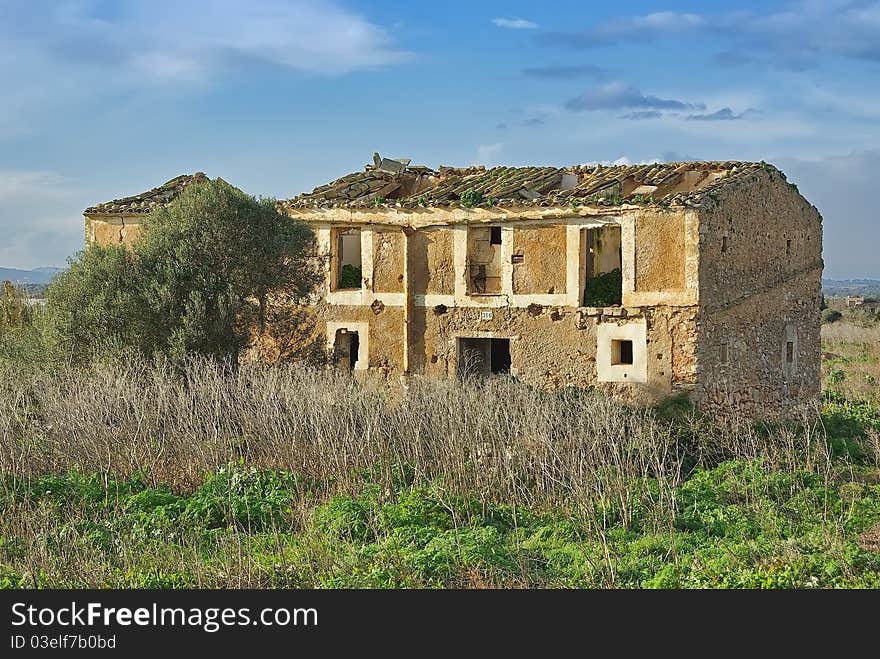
146	201
395	182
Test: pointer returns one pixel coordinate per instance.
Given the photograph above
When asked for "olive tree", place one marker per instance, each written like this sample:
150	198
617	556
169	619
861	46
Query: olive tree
197	278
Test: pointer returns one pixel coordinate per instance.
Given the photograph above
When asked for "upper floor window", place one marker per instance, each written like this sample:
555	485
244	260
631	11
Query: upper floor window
484	260
346	260
601	259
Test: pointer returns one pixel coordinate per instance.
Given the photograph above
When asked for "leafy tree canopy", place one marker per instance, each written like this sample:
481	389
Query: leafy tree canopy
197	279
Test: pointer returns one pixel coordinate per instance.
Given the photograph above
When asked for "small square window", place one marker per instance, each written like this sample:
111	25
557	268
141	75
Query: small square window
495	238
621	352
517	258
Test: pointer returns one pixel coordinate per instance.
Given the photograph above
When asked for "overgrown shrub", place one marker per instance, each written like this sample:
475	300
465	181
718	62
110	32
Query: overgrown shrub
199	278
604	290
350	276
831	315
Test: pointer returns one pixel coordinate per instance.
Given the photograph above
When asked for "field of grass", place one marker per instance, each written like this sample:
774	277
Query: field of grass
851	360
128	475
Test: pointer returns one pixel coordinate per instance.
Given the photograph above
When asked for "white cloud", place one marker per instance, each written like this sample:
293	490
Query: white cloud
487	154
515	23
620	95
622	160
29	184
791	37
173	40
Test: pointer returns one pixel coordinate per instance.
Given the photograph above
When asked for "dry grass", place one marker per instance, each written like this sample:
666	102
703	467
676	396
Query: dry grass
604	465
851	360
491	438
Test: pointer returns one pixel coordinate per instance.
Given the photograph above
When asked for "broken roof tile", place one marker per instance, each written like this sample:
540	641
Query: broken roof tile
145	202
524	186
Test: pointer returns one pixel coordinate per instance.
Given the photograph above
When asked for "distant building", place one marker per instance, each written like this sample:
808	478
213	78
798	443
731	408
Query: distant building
699	277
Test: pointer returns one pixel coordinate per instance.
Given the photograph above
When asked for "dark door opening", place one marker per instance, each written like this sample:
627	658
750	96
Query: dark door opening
347	348
354	344
478	356
500	355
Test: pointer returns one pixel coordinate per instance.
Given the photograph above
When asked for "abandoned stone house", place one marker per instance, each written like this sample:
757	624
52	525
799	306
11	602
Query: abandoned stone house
700	278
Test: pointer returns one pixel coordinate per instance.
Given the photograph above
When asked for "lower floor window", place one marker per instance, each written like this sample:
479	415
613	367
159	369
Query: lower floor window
483	356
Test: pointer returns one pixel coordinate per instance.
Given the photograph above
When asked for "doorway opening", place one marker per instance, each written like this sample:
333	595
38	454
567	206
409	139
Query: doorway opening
347	346
477	356
602	257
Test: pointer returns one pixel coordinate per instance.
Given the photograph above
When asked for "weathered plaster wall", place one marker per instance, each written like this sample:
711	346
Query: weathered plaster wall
757	293
659	252
558	346
542	269
431	261
388	261
112	230
385	337
661	257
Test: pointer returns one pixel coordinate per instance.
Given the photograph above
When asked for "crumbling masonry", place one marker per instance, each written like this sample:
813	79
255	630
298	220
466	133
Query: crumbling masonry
700	278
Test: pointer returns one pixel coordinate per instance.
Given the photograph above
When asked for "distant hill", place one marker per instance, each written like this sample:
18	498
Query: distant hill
843	287
40	276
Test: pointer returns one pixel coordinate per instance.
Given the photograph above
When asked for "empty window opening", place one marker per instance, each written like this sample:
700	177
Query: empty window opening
621	352
348	259
601	261
789	352
347	349
788	247
484	260
483	356
723	244
725	354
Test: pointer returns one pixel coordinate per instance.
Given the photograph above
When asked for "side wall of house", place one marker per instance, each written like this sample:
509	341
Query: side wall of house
112	229
760	291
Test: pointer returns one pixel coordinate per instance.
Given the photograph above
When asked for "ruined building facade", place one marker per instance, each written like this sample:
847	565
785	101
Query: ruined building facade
699	278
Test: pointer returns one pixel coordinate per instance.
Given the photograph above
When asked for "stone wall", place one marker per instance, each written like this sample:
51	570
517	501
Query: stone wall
760	289
549	346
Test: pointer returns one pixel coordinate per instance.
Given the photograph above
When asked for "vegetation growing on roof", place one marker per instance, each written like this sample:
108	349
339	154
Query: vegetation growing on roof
641	199
470	198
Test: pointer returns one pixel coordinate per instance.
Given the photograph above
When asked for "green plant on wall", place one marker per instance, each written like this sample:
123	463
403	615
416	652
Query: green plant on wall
604	290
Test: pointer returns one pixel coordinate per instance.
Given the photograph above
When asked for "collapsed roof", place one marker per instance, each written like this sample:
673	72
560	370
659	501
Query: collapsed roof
146	201
396	183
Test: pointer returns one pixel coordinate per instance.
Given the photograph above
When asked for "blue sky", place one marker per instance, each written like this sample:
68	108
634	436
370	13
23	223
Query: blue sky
103	99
